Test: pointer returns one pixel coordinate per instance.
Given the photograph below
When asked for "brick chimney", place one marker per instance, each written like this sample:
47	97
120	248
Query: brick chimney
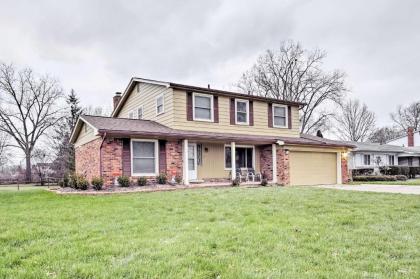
116	99
410	136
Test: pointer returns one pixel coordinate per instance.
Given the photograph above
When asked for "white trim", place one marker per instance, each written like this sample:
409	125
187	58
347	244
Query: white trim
286	113
247	111
156	157
233	163
274	154
142	112
339	174
238	146
211	107
78	122
163	104
195	160
185	161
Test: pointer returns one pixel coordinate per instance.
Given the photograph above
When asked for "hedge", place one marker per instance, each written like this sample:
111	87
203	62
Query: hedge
414	171
379	177
362	172
395	170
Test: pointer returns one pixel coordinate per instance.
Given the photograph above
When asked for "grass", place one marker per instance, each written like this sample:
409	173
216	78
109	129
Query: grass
410	182
210	233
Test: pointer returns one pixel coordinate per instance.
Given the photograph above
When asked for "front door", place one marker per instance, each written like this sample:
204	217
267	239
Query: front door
192	161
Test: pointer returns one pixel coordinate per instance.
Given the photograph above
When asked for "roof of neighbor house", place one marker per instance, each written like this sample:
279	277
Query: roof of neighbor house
376	147
132	127
198	89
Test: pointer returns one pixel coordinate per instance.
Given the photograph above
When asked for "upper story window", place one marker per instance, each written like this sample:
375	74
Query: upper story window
242	111
144	158
391	160
366	159
159	105
131	114
279	116
140	113
203	107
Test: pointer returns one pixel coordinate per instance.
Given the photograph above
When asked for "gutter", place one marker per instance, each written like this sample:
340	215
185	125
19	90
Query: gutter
100	154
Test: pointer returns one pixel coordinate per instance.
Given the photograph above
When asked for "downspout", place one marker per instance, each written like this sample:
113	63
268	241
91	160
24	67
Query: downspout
100	155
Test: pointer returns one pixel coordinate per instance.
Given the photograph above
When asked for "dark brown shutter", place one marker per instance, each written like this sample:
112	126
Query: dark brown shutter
126	157
251	113
270	115
232	111
162	156
289	117
216	109
189	106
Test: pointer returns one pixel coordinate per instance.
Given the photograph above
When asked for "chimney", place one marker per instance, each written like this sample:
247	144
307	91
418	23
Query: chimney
410	136
116	99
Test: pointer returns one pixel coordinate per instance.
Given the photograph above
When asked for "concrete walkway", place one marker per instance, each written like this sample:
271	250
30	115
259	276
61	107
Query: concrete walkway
399	189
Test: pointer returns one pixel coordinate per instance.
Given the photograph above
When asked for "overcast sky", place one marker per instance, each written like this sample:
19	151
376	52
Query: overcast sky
95	47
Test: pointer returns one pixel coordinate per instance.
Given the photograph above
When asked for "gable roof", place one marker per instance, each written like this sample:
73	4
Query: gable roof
376	147
135	80
124	127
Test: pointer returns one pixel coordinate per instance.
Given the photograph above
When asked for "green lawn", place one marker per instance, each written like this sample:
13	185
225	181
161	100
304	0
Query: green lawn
210	233
410	182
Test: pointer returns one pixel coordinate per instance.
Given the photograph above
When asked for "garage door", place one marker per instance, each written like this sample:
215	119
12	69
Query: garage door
312	168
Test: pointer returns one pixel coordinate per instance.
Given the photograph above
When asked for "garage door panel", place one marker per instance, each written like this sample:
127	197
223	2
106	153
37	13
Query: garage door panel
312	168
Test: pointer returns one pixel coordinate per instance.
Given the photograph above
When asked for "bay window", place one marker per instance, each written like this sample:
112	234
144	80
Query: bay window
144	157
203	107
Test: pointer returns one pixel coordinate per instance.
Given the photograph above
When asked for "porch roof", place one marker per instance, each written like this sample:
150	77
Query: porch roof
125	127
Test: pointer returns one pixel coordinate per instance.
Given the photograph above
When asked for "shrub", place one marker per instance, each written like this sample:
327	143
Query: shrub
142	181
375	178
414	171
401	177
161	178
264	182
61	183
123	181
178	179
398	170
236	182
97	183
73	179
82	183
362	172
66	180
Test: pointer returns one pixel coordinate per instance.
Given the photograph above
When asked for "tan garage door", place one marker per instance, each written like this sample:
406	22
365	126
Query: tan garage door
312	168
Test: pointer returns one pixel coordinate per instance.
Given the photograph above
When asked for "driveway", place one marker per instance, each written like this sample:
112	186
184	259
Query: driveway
399	189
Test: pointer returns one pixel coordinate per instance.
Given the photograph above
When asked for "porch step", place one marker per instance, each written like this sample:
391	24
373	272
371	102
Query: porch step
196	181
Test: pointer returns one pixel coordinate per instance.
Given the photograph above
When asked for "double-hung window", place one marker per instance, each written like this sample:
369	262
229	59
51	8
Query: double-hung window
203	107
391	161
144	157
160	105
140	113
366	159
279	116
242	111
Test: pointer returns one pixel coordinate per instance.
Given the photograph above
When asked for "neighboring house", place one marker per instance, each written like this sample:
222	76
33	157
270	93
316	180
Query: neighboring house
202	134
375	155
411	139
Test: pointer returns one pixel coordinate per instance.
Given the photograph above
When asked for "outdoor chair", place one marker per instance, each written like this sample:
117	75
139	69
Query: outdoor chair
253	175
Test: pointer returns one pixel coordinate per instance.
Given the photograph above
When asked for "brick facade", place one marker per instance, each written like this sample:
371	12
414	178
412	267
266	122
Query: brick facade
266	162
283	167
173	159
345	175
87	159
112	159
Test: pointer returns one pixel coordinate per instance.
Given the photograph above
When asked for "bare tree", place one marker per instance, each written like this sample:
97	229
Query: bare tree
43	164
98	110
385	134
354	121
28	108
407	116
4	144
293	73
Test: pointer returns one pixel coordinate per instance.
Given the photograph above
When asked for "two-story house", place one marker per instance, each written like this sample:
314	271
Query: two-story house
202	134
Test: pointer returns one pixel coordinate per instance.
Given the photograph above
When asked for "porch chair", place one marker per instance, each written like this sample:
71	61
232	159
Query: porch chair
241	175
252	175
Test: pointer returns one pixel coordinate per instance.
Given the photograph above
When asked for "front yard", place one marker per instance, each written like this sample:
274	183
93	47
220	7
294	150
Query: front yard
210	233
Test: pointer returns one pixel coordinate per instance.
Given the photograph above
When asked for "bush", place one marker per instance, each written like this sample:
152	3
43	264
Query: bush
77	181
161	178
142	181
97	183
82	183
61	183
398	170
401	177
414	171
66	180
123	181
362	172
264	182
236	182
375	178
178	179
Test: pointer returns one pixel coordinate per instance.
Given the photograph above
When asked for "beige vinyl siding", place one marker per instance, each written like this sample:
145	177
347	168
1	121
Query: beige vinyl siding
85	136
146	98
213	165
313	168
260	119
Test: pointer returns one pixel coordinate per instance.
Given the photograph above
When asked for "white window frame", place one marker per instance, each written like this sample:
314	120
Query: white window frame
247	111
286	113
236	147
393	160
163	104
156	157
211	107
370	159
132	112
142	112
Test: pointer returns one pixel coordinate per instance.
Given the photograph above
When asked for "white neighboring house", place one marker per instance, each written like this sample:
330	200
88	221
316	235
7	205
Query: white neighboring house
412	138
374	155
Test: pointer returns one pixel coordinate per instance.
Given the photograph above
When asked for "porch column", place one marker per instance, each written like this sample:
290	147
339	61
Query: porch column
185	162
274	152
339	174
233	159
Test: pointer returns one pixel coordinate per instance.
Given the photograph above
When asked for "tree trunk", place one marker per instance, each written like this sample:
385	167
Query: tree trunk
28	174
